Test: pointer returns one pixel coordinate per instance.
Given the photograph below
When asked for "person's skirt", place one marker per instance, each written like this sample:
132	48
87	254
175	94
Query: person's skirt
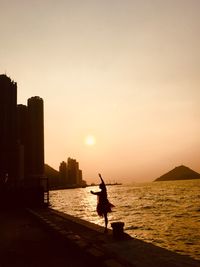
104	207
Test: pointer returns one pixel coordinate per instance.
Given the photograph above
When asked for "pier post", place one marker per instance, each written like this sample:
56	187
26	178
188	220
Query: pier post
118	230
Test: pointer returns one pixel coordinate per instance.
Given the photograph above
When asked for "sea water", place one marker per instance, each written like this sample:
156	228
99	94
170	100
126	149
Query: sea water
166	214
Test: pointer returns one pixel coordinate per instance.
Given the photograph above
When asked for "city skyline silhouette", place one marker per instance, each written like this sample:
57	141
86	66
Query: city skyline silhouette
119	80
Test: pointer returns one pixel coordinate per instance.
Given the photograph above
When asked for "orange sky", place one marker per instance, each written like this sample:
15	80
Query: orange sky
126	72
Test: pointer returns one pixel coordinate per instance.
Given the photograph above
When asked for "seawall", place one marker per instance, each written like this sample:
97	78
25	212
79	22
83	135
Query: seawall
103	249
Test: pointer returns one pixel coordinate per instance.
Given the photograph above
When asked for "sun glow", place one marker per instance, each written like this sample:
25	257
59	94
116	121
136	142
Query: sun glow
90	140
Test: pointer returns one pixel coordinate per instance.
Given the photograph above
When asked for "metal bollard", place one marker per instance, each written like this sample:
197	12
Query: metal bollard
118	230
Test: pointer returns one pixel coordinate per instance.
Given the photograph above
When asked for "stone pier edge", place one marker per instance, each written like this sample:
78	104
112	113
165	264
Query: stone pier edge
96	254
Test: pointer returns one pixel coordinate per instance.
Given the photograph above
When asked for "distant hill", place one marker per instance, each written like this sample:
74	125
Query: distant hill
51	174
179	173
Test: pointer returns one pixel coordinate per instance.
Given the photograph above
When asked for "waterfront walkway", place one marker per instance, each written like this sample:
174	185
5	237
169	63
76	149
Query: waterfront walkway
25	243
47	237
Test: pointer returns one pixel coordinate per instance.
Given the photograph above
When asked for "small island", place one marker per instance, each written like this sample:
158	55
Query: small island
179	173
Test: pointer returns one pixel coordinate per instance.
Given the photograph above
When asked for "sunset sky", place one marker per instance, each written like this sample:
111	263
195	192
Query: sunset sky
125	73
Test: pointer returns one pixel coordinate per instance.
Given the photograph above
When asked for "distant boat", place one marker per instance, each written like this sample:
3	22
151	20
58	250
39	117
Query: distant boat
114	183
93	184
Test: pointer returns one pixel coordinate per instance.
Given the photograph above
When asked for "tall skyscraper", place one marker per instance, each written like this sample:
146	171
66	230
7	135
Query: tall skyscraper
8	129
63	174
22	139
69	173
73	171
21	148
35	147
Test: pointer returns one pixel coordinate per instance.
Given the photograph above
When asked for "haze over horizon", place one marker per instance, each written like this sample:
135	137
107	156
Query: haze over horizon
120	81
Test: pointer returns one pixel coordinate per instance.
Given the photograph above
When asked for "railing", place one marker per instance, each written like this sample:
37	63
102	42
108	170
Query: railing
44	182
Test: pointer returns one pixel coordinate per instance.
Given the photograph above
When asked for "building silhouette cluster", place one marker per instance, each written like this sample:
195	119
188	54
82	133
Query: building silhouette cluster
70	175
23	173
21	140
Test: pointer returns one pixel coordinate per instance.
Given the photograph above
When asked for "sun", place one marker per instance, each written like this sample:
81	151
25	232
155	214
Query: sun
90	140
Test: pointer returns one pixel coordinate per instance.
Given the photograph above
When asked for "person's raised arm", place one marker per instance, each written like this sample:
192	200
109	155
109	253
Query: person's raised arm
94	193
101	179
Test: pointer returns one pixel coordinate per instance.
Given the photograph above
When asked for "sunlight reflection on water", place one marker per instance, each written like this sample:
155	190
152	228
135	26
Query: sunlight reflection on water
164	213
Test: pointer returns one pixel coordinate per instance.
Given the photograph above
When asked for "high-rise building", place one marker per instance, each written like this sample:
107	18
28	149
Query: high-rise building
35	147
22	137
80	177
8	126
69	173
63	174
73	171
21	148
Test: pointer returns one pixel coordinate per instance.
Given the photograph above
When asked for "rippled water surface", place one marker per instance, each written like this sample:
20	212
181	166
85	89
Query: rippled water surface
166	214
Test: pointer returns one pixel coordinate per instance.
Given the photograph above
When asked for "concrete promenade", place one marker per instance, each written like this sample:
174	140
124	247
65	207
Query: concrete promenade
45	237
24	242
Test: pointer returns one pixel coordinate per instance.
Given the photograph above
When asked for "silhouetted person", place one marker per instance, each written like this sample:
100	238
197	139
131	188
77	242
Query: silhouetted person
103	204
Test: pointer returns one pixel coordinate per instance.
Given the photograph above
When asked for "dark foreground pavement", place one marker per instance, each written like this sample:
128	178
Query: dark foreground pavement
24	243
45	237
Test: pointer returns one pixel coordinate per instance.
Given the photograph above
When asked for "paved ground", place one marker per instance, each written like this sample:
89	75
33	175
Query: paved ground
126	251
41	238
24	243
